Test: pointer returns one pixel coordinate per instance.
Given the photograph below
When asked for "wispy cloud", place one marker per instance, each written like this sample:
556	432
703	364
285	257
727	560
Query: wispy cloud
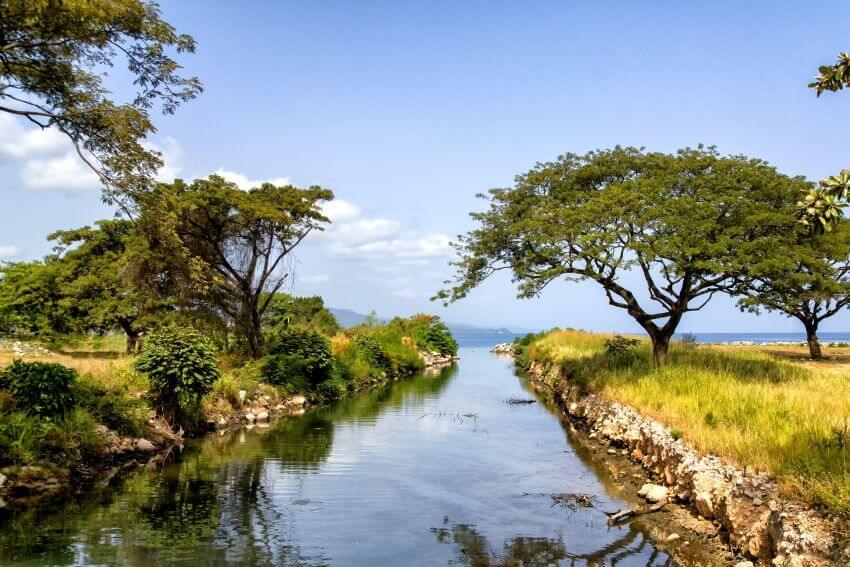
245	183
8	251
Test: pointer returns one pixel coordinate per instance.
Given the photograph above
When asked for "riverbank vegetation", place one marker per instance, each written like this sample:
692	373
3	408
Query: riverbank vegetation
770	409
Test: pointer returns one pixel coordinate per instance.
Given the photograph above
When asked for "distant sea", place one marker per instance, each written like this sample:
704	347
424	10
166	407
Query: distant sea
473	340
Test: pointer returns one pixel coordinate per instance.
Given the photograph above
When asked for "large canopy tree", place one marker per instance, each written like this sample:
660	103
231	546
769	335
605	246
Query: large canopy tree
690	224
226	246
54	55
91	270
809	281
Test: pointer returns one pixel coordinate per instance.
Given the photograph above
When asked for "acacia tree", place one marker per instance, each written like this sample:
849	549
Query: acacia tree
53	57
809	282
690	224
229	247
91	266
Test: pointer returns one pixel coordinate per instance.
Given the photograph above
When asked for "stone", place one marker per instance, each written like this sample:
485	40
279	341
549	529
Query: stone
2	480
144	445
653	492
262	416
704	504
296	401
242	395
250	417
745	564
671	538
222	421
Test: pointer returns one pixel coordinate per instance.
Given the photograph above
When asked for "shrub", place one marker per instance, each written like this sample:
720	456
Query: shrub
432	334
112	407
298	359
40	388
181	367
688	339
369	349
619	346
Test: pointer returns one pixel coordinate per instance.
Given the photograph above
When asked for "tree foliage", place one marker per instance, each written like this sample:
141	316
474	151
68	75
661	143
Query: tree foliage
286	311
226	246
690	224
809	281
182	367
54	55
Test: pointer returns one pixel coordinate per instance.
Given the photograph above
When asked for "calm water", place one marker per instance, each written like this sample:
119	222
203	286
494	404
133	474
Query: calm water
432	470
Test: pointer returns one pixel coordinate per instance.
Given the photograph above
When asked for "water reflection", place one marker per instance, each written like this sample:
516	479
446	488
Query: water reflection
358	483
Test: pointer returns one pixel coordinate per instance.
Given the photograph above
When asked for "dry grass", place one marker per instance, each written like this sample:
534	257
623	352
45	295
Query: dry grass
766	407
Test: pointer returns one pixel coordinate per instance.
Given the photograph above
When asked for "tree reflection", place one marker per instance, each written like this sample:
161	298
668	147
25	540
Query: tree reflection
474	550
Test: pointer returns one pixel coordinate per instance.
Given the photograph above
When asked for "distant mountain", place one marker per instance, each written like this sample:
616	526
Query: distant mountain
349	318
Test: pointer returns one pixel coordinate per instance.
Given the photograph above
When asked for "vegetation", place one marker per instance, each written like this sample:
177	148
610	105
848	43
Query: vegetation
181	367
298	359
286	311
689	224
747	405
810	282
226	248
40	388
55	56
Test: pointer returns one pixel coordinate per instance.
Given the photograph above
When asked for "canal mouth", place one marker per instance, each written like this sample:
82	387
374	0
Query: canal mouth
439	468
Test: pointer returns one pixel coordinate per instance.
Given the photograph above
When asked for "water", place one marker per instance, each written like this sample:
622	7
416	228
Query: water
827	337
435	469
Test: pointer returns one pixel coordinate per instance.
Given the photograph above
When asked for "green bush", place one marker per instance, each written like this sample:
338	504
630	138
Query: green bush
298	360
181	367
40	388
369	349
112	407
432	335
621	347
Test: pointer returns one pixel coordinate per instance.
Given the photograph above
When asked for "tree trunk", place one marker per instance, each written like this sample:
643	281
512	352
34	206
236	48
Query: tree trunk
814	344
132	342
660	347
249	324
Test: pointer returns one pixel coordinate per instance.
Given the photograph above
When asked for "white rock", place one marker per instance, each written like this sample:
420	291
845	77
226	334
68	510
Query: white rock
653	492
262	416
222	421
250	417
242	395
296	401
704	504
2	480
744	564
671	538
143	444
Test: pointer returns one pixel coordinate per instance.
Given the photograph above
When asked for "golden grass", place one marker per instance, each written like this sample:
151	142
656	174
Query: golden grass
764	407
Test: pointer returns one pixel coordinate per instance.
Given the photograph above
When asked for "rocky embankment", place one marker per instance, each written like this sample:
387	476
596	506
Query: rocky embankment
504	348
745	505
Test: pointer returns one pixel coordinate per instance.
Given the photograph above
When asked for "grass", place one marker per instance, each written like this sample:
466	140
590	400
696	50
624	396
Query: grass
765	407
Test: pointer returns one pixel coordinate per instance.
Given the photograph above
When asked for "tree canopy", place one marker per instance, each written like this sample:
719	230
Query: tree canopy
228	247
691	224
809	281
53	57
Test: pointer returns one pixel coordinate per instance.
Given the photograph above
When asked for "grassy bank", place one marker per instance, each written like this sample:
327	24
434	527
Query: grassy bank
762	407
106	402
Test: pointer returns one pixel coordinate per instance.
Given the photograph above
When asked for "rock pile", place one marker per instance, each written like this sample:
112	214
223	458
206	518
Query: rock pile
504	348
744	504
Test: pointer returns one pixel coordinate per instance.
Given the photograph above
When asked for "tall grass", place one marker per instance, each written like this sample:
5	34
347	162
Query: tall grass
742	404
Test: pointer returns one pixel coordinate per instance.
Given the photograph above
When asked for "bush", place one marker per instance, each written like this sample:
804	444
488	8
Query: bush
111	406
432	334
40	388
181	366
298	360
369	349
619	346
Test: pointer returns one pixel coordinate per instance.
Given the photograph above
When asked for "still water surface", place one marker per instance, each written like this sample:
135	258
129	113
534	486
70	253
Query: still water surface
432	470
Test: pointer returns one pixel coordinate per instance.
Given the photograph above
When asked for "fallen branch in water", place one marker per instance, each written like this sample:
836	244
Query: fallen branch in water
616	516
517	401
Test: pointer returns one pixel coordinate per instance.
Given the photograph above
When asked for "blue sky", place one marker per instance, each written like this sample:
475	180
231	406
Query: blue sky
407	110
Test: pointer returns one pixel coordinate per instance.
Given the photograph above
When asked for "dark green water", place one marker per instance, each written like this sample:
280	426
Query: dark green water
431	470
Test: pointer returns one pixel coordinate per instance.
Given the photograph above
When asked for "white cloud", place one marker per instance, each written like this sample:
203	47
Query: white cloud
244	183
9	251
172	157
339	210
18	142
317	279
67	173
406	293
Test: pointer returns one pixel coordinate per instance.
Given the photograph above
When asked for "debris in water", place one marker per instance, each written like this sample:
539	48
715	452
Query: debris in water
518	401
573	501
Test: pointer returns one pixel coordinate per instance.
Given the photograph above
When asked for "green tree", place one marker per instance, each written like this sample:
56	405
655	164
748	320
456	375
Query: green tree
91	270
54	55
822	207
688	225
809	282
30	300
286	311
227	246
